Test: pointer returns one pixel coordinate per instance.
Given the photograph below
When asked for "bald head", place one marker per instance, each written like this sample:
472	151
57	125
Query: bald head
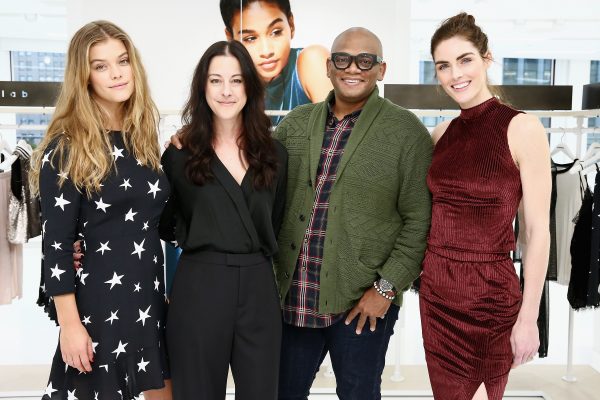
358	37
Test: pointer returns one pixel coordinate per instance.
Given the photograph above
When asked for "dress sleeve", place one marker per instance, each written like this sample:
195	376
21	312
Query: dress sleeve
167	224
60	215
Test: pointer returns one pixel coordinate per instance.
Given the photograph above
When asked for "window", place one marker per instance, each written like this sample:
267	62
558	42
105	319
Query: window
35	67
594	122
527	71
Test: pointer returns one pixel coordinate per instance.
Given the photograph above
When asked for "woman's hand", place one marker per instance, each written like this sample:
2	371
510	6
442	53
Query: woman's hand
525	342
76	347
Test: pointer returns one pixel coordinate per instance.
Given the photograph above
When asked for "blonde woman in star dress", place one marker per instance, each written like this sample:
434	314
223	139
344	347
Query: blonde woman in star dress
98	175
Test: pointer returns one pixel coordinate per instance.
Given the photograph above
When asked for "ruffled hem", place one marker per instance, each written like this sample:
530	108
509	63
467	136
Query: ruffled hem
123	379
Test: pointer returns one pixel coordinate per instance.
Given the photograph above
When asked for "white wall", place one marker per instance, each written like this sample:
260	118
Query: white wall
172	39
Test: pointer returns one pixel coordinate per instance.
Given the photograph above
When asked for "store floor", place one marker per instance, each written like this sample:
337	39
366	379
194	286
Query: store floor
526	383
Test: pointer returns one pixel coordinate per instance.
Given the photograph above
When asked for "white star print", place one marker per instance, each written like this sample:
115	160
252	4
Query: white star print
155	259
82	277
43	287
138	162
46	158
142	365
158	323
137	287
156	284
146	226
44	227
120	349
94	345
125	184
129	215
57	272
103	246
96	395
57	246
126	378
105	366
61	202
113	316
86	320
139	248
117	152
71	395
63	175
49	389
100	205
154	188
115	280
143	316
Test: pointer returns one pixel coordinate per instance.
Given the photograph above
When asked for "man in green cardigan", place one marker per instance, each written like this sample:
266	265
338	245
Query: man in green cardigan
355	227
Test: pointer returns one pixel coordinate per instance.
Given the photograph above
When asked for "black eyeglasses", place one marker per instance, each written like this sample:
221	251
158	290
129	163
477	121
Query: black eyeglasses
364	61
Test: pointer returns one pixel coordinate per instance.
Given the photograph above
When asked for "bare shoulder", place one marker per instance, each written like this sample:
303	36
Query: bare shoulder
527	139
526	128
312	53
439	131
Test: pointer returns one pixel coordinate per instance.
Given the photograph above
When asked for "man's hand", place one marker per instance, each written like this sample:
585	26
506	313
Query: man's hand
175	141
77	255
371	305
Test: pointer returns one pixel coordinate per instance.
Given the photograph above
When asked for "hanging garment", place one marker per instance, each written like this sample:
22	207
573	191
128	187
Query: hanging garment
24	207
568	203
11	255
543	320
585	247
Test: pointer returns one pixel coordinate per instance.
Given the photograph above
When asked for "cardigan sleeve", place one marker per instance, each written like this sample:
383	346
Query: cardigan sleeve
414	206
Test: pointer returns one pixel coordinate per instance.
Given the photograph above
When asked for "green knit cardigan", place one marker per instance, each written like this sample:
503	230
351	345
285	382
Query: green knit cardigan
379	208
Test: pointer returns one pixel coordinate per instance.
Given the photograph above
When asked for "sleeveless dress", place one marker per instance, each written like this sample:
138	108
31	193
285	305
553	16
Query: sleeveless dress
120	288
470	295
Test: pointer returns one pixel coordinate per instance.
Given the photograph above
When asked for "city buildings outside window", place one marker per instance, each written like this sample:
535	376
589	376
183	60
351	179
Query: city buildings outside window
29	66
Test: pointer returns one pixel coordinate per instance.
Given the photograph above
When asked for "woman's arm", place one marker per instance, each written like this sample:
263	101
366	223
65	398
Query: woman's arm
529	147
60	213
312	71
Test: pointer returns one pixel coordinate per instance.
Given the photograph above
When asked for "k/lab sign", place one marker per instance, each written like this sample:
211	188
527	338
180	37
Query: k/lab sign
28	94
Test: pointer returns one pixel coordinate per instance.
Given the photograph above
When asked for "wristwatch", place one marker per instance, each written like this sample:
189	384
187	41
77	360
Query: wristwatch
385	285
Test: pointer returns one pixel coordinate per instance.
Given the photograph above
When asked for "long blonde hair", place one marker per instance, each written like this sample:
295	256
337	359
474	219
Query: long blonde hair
79	124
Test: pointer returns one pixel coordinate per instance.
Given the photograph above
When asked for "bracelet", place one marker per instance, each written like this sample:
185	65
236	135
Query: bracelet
381	292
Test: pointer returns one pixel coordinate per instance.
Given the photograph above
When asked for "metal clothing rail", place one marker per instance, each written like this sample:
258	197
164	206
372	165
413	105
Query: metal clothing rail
420	113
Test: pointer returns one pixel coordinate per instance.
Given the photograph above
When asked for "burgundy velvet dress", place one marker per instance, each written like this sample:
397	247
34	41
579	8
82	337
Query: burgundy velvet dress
470	296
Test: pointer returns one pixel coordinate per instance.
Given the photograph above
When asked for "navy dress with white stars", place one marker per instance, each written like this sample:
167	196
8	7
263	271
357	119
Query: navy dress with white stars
120	288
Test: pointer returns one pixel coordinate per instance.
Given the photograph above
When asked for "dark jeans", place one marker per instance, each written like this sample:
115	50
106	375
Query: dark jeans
357	360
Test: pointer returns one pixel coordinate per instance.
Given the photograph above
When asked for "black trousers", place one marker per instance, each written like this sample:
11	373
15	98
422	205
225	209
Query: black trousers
224	311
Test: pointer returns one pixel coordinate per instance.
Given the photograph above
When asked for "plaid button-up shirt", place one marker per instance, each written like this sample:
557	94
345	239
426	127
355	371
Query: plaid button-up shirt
301	306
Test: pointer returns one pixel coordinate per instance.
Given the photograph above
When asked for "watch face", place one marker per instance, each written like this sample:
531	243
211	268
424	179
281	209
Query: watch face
385	285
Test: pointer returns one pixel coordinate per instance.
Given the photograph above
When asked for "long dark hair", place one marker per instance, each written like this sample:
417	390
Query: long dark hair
230	7
254	140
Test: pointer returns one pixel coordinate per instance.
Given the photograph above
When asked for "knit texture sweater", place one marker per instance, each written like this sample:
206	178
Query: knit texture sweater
379	209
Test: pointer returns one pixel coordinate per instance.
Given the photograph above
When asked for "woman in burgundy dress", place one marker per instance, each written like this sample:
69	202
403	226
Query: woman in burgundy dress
487	161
